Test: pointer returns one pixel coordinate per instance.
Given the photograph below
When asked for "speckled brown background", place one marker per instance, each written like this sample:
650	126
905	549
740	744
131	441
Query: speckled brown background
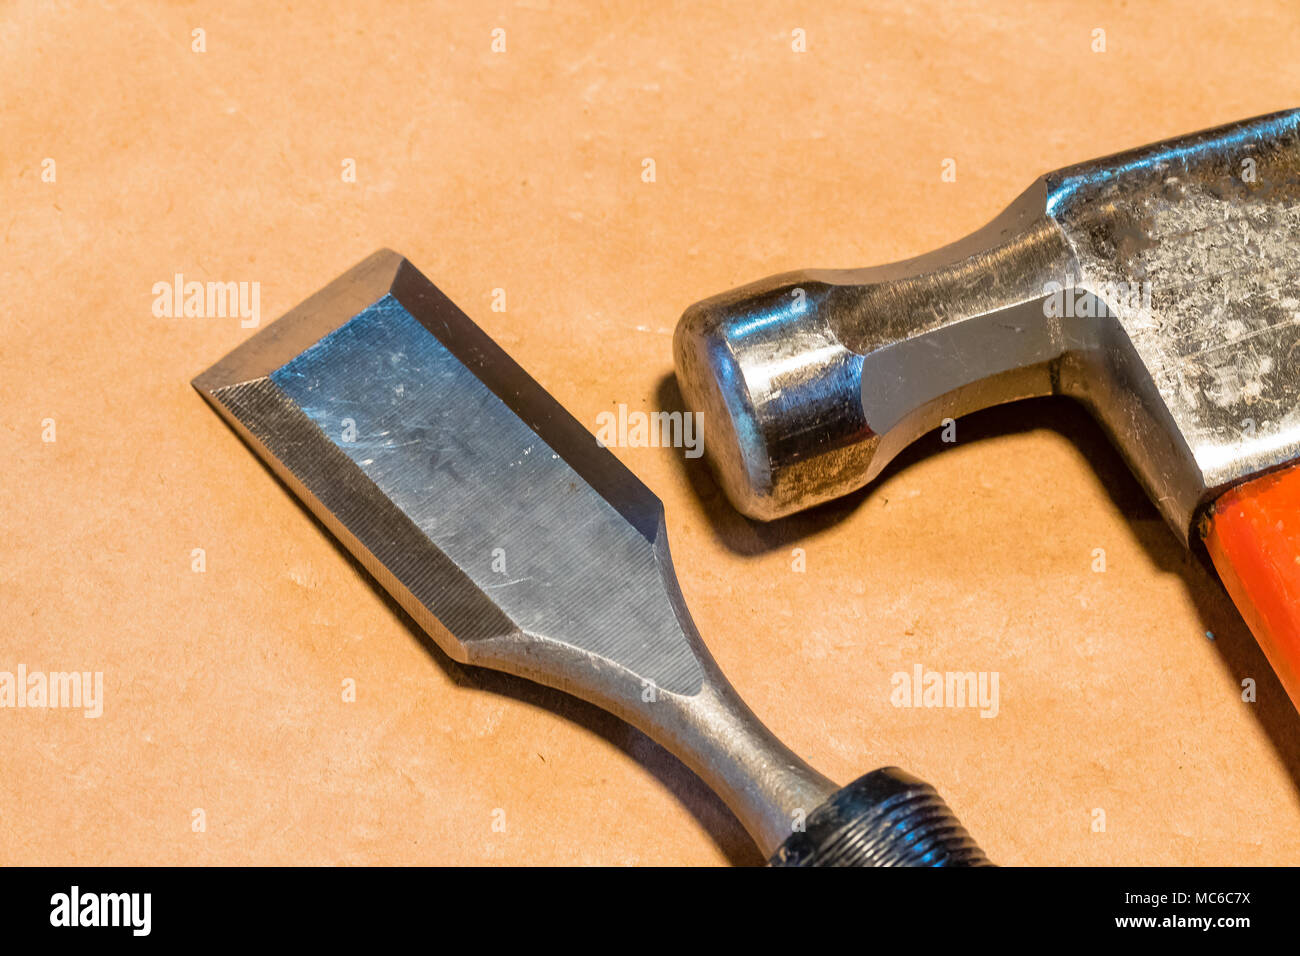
522	171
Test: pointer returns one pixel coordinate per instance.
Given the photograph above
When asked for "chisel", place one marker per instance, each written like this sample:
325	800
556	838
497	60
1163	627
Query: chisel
519	543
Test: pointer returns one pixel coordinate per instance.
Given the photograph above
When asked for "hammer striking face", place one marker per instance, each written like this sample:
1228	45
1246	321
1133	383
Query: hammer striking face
1160	287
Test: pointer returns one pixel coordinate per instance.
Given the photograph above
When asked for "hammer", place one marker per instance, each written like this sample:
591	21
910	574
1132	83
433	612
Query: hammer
519	543
1160	287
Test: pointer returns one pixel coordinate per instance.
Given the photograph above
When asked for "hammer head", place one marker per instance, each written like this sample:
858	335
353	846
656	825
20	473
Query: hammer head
1161	287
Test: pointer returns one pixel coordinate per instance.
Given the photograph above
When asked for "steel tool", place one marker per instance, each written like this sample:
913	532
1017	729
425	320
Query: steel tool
1160	287
438	461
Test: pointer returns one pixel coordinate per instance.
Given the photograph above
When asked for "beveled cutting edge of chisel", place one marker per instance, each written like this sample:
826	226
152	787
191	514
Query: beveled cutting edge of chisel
500	524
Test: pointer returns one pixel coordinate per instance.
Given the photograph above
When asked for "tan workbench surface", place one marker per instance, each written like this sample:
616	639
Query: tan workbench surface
224	735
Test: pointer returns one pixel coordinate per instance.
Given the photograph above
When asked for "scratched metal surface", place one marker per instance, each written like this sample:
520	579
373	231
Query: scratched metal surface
481	487
496	520
1212	223
1177	261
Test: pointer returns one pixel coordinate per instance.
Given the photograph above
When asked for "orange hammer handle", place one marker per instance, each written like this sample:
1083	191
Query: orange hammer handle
1253	536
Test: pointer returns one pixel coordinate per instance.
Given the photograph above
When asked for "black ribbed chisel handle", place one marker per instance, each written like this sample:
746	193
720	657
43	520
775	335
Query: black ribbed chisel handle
885	818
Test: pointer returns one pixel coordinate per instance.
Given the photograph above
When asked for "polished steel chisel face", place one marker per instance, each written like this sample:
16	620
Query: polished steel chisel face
538	549
475	519
495	519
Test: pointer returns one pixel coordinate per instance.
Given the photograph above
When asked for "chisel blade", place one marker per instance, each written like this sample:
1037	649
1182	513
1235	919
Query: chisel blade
495	519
